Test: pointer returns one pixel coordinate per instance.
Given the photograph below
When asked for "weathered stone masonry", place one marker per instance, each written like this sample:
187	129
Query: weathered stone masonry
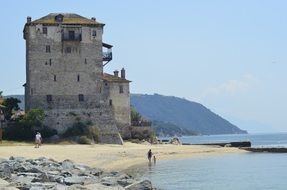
64	74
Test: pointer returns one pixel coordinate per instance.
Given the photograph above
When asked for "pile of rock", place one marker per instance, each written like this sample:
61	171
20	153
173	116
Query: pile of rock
175	141
44	173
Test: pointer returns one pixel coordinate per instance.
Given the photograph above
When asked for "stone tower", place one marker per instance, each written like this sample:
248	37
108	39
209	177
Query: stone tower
64	73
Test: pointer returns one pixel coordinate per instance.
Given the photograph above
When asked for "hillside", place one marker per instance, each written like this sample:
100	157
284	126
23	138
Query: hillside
163	129
183	113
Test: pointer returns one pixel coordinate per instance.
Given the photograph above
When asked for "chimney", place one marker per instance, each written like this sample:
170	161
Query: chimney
123	73
116	73
93	18
29	19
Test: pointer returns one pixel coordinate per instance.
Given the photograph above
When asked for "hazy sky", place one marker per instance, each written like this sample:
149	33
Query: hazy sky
228	55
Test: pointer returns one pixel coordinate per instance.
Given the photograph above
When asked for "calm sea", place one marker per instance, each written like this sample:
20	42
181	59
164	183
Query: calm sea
250	171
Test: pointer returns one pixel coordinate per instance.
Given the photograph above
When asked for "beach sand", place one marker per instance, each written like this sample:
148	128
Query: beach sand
112	157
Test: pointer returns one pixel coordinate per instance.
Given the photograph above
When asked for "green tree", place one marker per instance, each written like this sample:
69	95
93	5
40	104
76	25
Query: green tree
34	118
25	128
10	105
135	116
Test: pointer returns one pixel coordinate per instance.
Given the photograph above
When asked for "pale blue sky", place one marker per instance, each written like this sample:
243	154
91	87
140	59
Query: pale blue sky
228	55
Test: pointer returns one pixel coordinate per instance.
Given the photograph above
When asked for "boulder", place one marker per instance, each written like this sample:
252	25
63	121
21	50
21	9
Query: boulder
142	185
5	171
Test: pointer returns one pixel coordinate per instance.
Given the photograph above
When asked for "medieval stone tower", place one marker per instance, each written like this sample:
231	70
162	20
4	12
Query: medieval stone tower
65	55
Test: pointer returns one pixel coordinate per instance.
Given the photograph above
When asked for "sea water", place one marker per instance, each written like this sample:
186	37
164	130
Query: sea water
254	171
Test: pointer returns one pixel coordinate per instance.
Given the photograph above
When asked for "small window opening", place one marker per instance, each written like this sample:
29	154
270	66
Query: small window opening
78	78
111	102
55	78
86	61
94	33
46	63
49	98
45	30
48	50
68	50
50	62
71	35
121	90
81	97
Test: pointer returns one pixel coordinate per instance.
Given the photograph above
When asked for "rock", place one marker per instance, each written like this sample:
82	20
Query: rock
109	181
67	165
96	172
175	141
66	174
43	173
142	185
35	170
5	171
3	160
4	185
103	187
43	177
124	180
74	180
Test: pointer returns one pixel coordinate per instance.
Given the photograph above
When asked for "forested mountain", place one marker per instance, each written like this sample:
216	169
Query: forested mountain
182	113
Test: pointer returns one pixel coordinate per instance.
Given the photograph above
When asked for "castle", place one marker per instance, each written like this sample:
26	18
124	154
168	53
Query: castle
65	57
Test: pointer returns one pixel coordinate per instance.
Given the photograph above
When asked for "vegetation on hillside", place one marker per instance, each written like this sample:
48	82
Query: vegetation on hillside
164	129
183	113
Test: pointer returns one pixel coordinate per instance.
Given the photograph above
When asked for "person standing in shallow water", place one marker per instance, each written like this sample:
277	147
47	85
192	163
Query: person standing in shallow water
154	159
149	155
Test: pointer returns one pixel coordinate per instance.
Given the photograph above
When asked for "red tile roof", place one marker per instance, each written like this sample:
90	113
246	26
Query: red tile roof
112	78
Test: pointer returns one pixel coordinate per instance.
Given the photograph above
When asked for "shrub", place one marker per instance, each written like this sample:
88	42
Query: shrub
84	140
26	127
82	129
135	141
77	129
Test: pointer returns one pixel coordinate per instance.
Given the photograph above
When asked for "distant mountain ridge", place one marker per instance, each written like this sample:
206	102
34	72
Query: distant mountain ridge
183	113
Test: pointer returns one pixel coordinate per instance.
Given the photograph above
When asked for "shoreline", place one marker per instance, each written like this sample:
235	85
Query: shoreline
111	157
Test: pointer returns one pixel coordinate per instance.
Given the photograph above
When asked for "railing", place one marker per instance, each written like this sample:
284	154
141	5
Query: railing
107	56
75	37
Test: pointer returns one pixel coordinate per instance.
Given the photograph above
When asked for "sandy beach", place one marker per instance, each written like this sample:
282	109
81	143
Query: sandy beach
112	157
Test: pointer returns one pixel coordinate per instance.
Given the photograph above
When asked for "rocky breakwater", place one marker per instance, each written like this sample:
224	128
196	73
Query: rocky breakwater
44	173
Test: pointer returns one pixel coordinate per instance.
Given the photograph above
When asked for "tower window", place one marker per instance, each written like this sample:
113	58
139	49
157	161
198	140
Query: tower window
68	50
48	50
71	35
94	33
81	97
45	30
111	102
55	78
121	89
86	61
50	62
49	98
78	78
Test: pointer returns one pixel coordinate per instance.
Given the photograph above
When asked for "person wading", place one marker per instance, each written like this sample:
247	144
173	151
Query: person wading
149	155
